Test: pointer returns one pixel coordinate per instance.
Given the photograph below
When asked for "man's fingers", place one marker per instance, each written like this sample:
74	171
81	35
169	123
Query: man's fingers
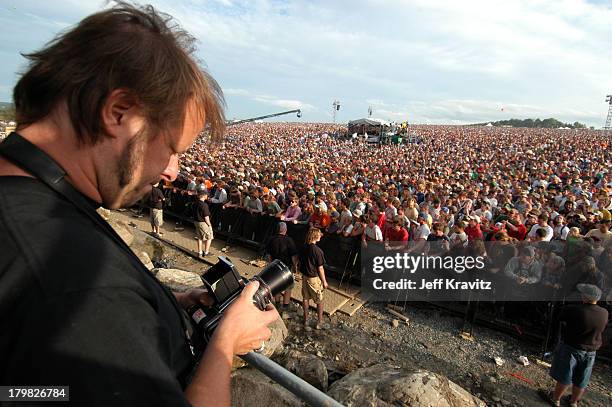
250	289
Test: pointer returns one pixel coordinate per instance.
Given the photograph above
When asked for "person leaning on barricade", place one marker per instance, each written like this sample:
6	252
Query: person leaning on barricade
103	112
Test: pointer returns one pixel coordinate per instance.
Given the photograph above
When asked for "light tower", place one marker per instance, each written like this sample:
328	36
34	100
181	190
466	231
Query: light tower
608	125
335	108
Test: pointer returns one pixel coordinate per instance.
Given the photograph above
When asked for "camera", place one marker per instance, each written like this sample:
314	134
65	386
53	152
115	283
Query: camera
224	284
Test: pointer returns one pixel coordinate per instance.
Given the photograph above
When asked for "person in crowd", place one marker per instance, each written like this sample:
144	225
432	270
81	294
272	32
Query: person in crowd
524	268
372	232
334	223
270	206
292	213
311	266
156	202
397	236
602	232
574	358
560	228
203	225
541	225
473	230
252	203
458	239
440	243
220	195
282	247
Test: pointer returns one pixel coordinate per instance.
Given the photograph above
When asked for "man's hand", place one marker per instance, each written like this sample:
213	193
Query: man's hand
243	326
192	297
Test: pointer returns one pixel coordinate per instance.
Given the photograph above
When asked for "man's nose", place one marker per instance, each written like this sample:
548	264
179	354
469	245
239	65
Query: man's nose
171	171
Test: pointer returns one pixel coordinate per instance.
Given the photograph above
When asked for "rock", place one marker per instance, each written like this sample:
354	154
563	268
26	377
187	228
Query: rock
395	323
319	354
308	367
386	386
252	388
124	231
105	213
274	344
146	260
177	279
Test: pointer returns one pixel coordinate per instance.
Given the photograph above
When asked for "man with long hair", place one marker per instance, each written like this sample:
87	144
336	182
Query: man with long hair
104	111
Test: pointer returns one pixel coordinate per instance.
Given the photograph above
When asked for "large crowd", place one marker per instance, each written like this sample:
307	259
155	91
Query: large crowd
458	184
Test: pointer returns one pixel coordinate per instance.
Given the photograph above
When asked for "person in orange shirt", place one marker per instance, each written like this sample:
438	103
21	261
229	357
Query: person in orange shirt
320	219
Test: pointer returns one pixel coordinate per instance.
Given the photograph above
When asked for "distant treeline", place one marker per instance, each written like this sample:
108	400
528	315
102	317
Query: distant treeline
546	123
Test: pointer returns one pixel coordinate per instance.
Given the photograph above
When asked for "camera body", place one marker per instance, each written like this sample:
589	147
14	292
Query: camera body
224	284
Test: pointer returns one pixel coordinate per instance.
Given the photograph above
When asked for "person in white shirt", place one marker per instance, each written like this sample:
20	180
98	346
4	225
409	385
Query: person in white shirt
459	238
220	194
603	232
423	231
560	229
371	232
542	224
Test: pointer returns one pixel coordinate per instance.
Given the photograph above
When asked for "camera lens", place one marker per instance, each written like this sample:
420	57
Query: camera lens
273	280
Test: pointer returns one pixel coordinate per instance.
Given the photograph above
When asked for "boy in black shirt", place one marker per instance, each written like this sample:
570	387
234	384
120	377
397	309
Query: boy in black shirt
312	260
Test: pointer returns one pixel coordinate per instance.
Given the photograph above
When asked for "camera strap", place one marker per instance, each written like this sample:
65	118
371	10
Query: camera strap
36	162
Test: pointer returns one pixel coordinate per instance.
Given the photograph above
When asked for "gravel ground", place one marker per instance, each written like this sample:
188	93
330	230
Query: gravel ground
430	341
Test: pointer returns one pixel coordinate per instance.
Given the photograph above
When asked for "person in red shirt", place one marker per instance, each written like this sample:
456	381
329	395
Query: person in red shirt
515	227
473	230
396	237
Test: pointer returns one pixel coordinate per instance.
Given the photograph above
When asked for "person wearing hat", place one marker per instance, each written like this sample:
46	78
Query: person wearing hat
583	325
202	223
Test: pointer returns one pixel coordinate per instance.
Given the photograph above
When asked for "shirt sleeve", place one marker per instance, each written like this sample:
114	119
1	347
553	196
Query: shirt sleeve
319	258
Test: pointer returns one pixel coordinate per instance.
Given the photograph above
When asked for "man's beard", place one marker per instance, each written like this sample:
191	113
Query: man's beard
131	158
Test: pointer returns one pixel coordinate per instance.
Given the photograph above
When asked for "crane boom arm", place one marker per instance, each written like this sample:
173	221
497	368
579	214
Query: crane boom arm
252	119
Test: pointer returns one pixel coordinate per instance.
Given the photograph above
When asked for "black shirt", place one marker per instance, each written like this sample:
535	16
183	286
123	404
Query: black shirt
281	247
77	310
585	324
157	198
311	258
202	211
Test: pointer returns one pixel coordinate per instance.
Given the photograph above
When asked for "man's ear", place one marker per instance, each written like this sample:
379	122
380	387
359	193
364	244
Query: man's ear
122	115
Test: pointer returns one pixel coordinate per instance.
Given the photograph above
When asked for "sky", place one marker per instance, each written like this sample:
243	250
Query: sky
424	61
